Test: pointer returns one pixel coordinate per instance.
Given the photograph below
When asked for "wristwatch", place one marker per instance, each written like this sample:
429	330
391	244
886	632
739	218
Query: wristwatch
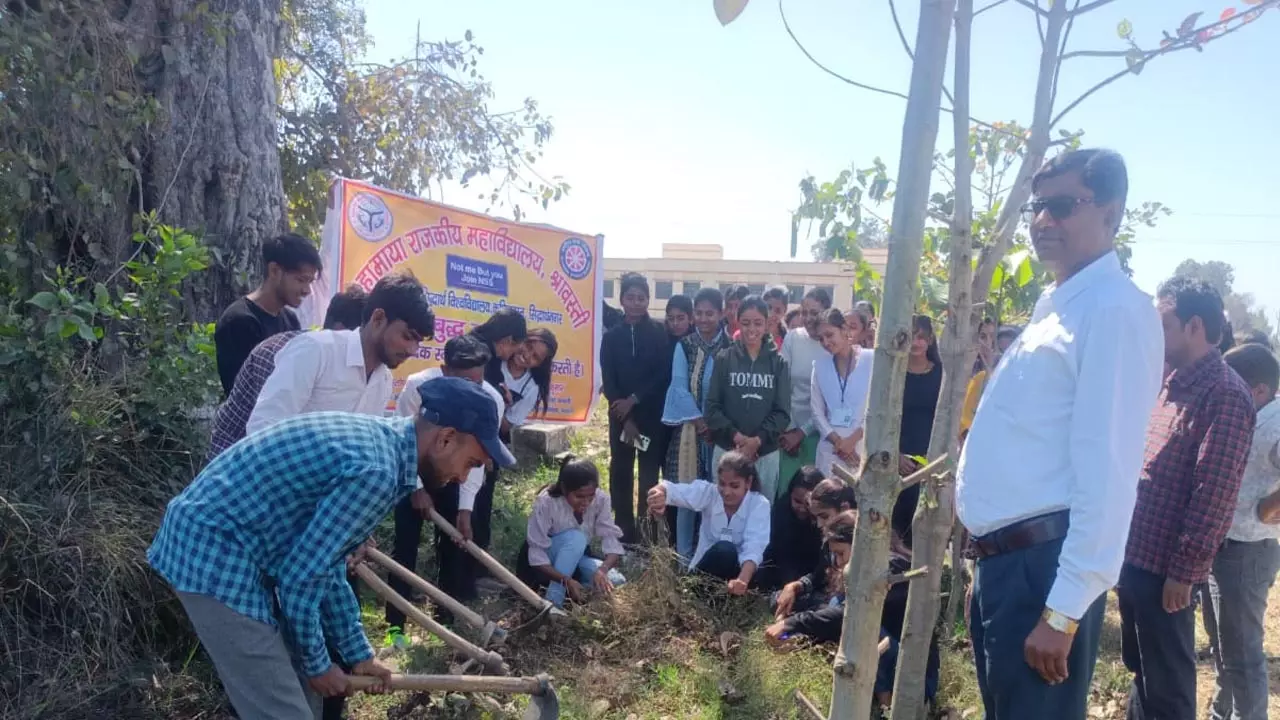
1059	622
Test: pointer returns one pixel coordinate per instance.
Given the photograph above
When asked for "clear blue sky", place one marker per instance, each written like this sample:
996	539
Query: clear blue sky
671	128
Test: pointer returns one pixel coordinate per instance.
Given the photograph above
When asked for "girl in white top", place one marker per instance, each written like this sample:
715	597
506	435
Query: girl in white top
735	519
566	517
839	397
527	377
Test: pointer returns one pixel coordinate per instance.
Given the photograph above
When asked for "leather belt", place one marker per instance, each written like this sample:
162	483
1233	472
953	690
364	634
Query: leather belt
1023	534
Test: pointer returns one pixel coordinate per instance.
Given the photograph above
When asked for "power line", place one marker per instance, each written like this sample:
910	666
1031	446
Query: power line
1261	242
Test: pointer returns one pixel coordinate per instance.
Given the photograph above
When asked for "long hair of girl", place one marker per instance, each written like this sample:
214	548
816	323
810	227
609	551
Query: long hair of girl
575	474
924	324
738	464
833	493
542	374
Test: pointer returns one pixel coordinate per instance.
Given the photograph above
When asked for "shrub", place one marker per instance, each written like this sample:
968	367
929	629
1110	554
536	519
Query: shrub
103	391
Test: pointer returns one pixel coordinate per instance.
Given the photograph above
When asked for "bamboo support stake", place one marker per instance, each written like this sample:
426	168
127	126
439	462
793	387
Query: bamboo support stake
923	473
492	661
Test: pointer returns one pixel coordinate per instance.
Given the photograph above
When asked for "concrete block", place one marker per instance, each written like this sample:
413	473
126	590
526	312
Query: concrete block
536	443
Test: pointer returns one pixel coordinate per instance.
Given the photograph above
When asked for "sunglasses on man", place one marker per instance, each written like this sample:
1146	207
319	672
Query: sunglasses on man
1060	207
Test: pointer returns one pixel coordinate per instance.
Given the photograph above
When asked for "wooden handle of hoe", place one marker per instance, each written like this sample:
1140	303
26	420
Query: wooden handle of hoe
498	569
492	661
457	683
438	596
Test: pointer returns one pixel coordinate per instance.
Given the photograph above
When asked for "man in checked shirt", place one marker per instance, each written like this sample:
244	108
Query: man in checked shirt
256	547
1198	441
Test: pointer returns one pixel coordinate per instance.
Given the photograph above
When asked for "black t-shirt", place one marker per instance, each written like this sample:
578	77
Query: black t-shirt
242	326
919	402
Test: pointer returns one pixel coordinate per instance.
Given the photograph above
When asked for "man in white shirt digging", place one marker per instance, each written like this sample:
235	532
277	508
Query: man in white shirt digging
1049	473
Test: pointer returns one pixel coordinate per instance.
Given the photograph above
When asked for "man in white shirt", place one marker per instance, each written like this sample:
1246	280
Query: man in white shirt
464	357
348	370
800	348
1048	476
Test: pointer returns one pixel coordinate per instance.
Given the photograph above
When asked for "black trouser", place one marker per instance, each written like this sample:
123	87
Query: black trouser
456	569
720	561
1158	647
1009	592
622	486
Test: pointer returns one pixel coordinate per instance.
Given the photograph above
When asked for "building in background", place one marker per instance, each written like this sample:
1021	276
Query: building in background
684	268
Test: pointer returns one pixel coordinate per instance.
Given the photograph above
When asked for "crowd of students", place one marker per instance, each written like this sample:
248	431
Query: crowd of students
1085	465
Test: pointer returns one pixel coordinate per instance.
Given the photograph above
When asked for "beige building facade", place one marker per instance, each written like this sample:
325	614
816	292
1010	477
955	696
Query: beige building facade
685	268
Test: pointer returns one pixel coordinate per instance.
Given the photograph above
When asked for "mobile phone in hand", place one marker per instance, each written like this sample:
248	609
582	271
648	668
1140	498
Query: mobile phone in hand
639	442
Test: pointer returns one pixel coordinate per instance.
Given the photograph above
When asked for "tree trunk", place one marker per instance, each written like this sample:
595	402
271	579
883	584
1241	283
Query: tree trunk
1036	148
214	168
935	511
857	659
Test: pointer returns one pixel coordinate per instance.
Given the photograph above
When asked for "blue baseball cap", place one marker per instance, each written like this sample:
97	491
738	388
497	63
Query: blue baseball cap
465	407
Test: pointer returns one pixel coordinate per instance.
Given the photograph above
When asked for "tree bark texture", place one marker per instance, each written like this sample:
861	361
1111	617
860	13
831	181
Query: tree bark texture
214	168
856	659
935	512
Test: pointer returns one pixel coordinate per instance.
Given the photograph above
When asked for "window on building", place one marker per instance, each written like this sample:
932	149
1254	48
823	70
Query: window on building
662	289
795	293
725	288
608	289
691	288
756	288
831	291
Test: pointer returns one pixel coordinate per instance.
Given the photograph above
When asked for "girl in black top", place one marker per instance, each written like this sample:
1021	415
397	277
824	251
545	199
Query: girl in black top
795	541
919	401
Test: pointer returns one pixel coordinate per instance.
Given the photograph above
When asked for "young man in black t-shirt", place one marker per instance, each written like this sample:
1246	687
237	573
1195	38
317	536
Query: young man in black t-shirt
291	263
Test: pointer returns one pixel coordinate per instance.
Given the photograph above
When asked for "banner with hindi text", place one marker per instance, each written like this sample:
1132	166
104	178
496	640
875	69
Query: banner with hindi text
471	265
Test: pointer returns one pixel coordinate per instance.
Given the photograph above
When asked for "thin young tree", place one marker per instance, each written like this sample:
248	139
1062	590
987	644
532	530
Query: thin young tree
866	579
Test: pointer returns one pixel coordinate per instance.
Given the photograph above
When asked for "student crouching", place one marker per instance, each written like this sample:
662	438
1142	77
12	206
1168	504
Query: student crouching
734	515
566	517
813	606
795	540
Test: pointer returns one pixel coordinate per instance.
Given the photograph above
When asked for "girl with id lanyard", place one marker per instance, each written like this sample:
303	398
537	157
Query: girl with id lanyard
839	397
735	520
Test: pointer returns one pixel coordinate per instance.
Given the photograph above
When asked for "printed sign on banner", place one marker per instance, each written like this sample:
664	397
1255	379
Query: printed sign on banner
471	265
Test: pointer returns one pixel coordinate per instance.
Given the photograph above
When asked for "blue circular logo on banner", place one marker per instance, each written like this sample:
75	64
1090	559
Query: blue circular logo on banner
575	258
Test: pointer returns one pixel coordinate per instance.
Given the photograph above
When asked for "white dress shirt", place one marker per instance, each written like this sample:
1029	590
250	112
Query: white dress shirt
410	402
748	529
528	390
1062	426
320	371
801	352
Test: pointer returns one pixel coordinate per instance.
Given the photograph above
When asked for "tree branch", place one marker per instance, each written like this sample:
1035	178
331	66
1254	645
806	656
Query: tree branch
997	3
850	81
1078	10
913	574
906	46
1033	7
1182	43
1095	53
1057	70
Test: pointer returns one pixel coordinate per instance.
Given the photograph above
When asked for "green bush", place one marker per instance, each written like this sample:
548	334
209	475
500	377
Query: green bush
104	387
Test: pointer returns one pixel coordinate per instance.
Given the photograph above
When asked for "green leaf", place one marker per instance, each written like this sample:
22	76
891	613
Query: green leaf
1125	29
1024	272
44	300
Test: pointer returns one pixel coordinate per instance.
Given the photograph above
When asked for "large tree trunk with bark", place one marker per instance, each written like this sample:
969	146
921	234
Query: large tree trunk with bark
857	658
935	512
215	167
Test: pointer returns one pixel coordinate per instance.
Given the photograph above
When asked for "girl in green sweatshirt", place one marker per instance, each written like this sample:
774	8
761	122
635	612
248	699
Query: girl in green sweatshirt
749	399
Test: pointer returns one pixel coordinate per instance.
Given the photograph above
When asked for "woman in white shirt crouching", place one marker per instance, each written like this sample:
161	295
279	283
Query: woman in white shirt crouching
735	519
566	517
840	389
526	377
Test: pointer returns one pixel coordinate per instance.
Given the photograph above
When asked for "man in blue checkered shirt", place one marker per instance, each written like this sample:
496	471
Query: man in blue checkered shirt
256	546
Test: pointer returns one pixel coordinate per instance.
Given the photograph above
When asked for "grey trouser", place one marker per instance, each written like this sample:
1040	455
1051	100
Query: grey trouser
253	661
1243	573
